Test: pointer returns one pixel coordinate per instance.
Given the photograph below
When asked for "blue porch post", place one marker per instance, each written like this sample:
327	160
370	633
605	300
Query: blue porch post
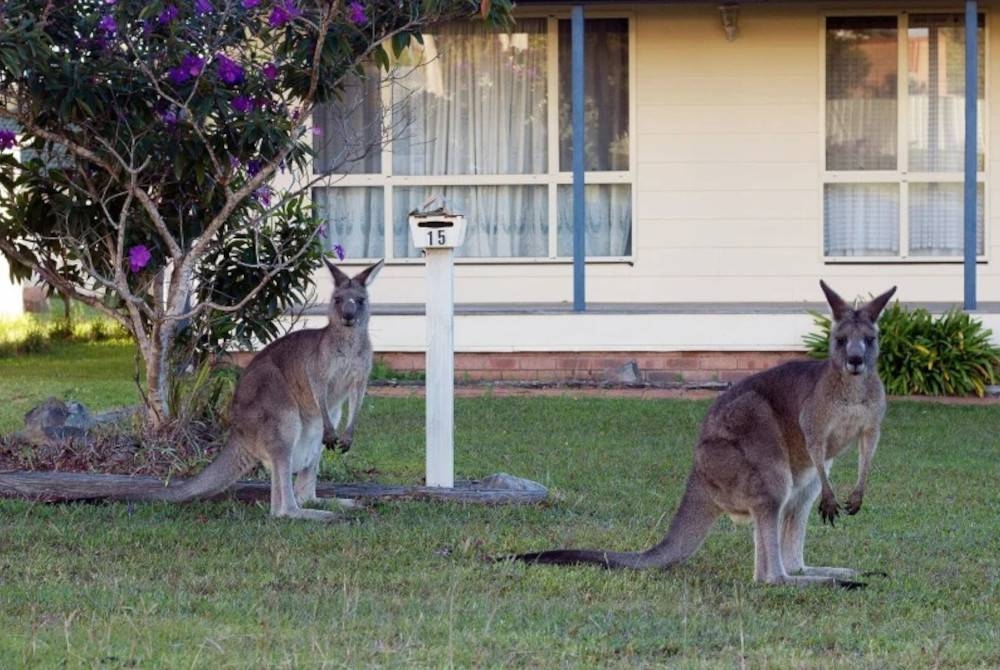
579	208
971	98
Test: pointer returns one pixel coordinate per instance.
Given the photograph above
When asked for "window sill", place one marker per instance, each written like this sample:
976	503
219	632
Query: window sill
889	260
610	260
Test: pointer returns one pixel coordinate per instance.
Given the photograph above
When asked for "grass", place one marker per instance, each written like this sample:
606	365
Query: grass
221	585
100	374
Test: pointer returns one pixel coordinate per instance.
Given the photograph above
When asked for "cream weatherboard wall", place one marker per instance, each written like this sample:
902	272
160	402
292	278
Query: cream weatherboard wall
727	154
11	304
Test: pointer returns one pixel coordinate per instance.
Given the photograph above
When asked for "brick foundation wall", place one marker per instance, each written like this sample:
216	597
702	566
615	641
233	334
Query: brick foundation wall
650	367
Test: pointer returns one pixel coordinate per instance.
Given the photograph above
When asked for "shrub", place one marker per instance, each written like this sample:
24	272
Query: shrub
29	335
925	355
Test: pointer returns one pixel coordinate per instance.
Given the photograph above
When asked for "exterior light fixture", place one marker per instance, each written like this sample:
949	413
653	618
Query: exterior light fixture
730	15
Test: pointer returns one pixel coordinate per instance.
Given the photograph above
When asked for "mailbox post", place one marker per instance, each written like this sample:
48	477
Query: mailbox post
437	234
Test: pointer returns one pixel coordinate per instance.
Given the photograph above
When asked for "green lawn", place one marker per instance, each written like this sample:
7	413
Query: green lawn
101	374
404	585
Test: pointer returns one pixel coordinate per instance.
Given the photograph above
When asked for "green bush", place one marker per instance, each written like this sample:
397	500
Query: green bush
29	334
925	355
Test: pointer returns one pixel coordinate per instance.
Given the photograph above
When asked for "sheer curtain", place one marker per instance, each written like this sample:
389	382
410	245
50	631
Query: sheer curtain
862	56
348	132
608	222
861	219
477	105
936	70
861	134
353	218
937	219
511	221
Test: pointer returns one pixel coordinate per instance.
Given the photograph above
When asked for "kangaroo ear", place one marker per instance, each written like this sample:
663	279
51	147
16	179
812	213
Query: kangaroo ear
876	305
840	308
339	278
367	276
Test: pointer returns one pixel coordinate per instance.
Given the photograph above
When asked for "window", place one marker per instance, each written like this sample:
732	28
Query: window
482	120
893	178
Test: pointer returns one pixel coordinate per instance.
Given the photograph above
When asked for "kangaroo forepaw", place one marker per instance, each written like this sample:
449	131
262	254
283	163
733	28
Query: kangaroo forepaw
829	510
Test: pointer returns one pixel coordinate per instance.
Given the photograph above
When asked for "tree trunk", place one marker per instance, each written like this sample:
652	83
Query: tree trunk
157	388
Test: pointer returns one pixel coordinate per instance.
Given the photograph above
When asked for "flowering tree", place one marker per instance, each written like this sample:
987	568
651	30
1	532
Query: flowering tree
150	131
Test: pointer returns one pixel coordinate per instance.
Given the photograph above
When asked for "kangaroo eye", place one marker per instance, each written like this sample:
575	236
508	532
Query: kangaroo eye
869	341
841	341
337	300
360	301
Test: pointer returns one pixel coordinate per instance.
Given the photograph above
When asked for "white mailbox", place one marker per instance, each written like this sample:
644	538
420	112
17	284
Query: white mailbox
437	230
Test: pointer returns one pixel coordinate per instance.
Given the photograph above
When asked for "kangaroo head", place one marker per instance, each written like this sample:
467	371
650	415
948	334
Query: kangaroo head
854	332
349	303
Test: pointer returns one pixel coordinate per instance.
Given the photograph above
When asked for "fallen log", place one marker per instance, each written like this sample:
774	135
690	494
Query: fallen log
81	486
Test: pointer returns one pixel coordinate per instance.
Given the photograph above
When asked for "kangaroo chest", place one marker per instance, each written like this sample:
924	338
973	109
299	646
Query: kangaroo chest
846	422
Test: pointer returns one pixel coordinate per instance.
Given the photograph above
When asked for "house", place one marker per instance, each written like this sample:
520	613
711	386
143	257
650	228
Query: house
732	156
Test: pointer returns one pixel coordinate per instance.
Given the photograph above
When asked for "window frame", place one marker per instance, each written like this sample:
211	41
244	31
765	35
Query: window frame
902	176
552	178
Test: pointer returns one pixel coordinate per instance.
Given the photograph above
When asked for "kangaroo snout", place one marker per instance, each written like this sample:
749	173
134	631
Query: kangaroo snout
349	312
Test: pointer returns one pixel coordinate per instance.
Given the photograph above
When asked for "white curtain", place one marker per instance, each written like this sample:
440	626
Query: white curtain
937	219
476	106
861	219
608	222
861	104
502	221
348	131
353	219
468	102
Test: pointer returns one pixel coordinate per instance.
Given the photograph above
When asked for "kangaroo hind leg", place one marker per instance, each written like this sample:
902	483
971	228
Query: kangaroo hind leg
283	501
794	519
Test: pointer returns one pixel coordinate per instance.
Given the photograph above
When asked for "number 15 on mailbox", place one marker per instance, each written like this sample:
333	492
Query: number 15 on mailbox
437	231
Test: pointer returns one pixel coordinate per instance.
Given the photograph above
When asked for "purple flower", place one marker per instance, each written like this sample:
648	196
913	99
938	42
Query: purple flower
357	13
270	71
229	70
263	195
253	168
250	4
203	7
169	117
241	104
107	24
7	139
339	250
169	13
138	257
190	66
283	13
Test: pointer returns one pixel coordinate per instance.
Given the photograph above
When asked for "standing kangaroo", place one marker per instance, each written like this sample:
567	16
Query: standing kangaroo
763	454
287	406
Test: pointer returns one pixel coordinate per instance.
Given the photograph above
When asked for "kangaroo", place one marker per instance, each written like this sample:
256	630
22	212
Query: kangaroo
287	406
763	454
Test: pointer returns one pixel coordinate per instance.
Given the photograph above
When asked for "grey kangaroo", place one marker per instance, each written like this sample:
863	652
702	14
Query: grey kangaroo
287	407
763	454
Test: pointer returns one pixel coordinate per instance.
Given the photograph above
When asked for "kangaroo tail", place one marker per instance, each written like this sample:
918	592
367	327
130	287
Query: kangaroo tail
231	464
695	516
